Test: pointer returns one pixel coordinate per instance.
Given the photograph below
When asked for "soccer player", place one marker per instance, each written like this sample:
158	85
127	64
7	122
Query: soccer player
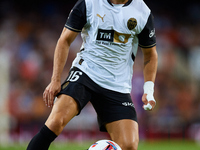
102	71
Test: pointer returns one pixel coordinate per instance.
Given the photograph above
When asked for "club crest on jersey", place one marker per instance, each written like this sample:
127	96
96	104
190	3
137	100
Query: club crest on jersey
132	23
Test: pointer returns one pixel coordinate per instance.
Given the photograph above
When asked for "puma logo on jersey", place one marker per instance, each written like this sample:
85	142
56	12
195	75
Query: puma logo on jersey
152	33
101	17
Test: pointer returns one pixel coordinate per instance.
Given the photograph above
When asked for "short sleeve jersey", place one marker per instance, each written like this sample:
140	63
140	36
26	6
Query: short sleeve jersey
111	35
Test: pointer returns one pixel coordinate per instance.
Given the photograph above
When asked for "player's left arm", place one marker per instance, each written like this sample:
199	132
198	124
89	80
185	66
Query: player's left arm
149	71
147	41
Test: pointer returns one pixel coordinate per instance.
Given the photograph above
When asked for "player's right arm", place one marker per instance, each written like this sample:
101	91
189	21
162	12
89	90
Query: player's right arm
74	25
60	58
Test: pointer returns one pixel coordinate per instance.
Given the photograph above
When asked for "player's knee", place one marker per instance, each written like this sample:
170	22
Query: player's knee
56	125
129	145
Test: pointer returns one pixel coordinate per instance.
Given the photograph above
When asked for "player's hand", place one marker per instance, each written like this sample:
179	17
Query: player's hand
50	92
148	98
148	103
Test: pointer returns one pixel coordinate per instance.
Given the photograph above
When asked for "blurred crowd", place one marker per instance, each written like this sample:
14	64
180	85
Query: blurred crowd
28	36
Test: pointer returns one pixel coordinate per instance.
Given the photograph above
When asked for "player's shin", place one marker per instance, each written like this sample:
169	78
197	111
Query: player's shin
42	140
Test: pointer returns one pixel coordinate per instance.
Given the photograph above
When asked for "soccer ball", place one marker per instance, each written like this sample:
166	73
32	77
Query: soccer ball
104	145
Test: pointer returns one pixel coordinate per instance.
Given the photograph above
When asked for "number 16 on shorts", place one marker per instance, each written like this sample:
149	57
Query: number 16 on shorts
74	76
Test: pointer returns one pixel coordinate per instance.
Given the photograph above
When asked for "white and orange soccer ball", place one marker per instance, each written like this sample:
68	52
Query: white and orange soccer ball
104	145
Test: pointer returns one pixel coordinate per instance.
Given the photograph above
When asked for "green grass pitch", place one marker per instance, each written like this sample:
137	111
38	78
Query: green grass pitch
153	145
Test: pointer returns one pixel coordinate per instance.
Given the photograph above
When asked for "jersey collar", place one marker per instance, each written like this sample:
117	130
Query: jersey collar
129	1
